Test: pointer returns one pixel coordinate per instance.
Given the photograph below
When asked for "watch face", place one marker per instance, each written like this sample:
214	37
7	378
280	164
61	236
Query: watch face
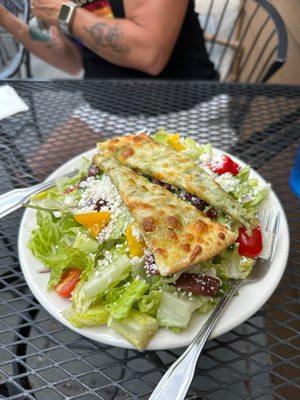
64	12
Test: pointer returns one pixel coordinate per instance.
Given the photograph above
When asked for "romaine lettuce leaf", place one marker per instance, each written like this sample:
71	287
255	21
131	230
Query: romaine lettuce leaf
121	307
106	276
137	328
94	316
195	150
192	148
44	237
121	223
63	182
51	242
230	265
257	198
85	242
175	310
207	306
243	175
65	258
161	136
149	303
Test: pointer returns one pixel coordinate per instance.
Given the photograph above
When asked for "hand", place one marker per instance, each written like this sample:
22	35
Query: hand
47	10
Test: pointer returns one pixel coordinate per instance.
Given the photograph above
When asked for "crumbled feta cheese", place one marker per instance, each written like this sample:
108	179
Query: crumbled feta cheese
69	201
204	158
104	190
207	169
228	182
136	260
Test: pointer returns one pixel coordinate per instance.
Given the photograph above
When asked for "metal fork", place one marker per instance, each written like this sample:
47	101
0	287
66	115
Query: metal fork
14	199
176	381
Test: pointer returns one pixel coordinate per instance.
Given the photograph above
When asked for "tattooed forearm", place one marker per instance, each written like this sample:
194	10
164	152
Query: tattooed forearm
106	36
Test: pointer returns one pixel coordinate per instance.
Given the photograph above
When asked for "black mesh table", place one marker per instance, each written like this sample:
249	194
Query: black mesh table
40	358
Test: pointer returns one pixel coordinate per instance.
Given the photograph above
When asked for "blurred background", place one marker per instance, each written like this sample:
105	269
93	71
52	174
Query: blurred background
248	40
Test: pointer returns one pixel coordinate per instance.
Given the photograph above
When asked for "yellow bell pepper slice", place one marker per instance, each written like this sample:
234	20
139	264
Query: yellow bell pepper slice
93	221
136	245
174	141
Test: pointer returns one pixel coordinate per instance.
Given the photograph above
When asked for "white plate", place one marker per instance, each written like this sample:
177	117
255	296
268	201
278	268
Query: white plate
250	299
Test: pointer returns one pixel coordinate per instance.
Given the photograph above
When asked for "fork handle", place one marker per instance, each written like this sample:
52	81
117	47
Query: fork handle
14	199
176	381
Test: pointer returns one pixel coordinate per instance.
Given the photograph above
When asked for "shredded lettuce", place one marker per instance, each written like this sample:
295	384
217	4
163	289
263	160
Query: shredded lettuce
94	316
121	307
138	328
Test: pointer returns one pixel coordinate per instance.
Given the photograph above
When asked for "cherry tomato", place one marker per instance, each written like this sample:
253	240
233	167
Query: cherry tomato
68	282
225	165
250	246
199	284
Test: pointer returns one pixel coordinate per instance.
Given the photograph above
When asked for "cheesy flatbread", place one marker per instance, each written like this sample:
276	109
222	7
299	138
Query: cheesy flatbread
178	234
142	153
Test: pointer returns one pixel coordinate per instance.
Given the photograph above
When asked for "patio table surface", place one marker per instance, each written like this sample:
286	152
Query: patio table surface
40	358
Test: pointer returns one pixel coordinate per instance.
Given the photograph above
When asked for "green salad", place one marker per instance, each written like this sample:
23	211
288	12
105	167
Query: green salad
98	258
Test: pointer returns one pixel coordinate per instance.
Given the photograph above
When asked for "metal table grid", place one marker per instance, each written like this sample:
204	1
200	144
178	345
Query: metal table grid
41	359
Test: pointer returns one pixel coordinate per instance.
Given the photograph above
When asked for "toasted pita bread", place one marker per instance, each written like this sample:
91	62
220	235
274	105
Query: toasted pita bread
178	234
143	154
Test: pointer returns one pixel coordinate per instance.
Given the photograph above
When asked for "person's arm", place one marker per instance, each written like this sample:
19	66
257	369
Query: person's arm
60	51
144	40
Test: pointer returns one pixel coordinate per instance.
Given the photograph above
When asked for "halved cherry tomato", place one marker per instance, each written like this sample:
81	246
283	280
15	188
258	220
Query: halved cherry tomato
136	245
68	282
93	221
250	246
225	165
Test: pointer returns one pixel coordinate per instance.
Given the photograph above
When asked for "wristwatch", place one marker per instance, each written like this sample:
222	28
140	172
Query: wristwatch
66	16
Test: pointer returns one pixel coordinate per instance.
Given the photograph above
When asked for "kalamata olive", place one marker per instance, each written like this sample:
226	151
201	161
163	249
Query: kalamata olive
198	284
163	184
212	213
195	201
100	204
150	266
93	170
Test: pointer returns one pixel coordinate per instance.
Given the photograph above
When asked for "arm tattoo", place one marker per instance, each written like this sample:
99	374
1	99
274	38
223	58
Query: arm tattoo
108	37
